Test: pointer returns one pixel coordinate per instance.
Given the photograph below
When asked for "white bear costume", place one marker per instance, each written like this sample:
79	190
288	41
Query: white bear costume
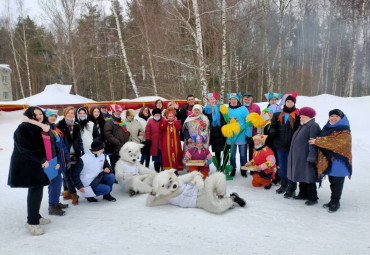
189	190
133	176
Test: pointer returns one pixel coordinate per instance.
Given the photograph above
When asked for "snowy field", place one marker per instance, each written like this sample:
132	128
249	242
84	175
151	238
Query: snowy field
269	224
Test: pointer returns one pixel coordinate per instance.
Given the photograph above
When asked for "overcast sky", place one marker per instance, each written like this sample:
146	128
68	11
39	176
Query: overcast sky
32	8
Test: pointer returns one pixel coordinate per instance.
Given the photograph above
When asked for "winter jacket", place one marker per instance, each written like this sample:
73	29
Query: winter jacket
216	138
100	126
89	134
302	155
134	127
335	149
182	115
89	170
153	133
115	134
72	138
283	125
29	154
64	158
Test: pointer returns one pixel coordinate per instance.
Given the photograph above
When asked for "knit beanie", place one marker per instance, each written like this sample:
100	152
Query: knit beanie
290	98
156	111
307	111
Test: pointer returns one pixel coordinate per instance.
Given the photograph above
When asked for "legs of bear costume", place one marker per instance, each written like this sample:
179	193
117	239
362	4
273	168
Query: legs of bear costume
214	184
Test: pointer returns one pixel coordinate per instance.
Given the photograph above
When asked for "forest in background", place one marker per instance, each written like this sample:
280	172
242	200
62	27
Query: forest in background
172	48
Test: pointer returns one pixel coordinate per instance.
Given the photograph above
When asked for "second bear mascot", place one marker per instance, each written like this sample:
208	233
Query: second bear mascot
133	176
189	190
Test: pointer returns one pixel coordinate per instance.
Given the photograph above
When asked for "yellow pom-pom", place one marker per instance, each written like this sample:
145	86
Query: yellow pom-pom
223	109
227	130
235	127
255	119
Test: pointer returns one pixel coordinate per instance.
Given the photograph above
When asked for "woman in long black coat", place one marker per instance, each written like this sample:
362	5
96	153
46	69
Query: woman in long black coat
30	155
302	157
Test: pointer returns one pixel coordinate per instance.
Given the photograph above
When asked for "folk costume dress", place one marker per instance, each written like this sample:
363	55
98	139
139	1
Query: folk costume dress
171	144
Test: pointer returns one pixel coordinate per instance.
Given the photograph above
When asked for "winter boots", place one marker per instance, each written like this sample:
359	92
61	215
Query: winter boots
333	206
268	186
34	230
244	173
109	198
240	201
283	187
292	186
74	198
157	166
92	199
63	206
311	202
67	195
56	210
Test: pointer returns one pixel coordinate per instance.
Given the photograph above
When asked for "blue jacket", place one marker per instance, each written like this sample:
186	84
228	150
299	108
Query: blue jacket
239	114
64	158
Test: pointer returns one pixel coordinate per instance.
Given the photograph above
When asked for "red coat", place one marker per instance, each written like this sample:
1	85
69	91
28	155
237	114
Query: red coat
153	133
261	158
171	145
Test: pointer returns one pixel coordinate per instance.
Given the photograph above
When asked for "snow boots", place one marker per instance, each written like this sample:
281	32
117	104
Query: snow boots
74	198
34	230
240	201
109	198
244	173
157	166
311	202
67	195
283	187
56	210
91	199
63	206
333	206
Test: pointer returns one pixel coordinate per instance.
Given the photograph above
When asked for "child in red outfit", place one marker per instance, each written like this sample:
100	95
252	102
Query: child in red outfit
199	153
264	160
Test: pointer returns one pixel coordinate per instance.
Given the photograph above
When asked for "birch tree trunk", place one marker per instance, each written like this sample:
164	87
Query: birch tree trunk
123	51
350	81
26	58
199	44
223	61
16	61
364	52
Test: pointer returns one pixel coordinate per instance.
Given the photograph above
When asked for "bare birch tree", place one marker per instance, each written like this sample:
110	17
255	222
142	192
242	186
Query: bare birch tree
123	50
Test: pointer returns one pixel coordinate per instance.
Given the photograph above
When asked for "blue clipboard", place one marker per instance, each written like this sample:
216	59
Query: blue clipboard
50	171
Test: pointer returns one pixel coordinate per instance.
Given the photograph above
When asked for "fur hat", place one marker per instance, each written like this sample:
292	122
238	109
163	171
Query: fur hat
156	111
307	111
130	112
49	112
337	112
197	106
97	146
116	108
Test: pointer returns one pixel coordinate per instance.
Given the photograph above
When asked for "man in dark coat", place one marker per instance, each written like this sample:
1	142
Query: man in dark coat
302	157
185	111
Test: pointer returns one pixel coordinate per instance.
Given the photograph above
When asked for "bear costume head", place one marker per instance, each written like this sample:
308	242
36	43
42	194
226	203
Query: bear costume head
130	152
166	183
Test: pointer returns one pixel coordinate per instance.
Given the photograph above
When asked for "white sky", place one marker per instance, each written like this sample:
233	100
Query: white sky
33	8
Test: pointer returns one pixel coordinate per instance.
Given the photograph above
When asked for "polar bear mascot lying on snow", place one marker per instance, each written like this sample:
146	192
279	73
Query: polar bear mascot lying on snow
133	176
189	190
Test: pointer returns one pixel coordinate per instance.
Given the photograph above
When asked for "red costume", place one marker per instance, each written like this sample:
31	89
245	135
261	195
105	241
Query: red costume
171	145
265	159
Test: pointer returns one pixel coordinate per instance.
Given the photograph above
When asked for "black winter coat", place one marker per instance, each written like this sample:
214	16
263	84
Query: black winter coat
217	139
282	131
29	154
100	127
74	140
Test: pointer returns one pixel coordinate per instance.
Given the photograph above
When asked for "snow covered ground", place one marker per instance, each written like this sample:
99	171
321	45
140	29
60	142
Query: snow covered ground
269	224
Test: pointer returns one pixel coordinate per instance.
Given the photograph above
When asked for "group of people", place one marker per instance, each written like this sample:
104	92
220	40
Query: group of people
289	141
